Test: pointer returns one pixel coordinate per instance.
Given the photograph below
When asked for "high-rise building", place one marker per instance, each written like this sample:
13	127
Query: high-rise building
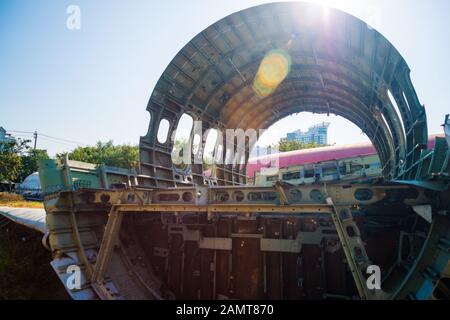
316	134
5	138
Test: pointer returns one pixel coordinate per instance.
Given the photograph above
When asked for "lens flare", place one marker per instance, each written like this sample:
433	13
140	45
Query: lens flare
273	69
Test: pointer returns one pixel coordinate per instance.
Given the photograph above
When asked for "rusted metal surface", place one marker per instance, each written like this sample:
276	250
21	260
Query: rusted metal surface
258	249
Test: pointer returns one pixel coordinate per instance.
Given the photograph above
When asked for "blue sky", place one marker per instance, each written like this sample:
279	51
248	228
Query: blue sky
94	83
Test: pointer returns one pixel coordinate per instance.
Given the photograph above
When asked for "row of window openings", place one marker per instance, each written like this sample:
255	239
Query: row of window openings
182	136
182	133
311	173
186	123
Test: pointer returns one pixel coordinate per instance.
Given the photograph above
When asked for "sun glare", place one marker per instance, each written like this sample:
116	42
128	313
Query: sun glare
272	71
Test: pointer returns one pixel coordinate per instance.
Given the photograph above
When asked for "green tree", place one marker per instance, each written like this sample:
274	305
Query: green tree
178	155
123	156
284	145
30	162
18	160
10	166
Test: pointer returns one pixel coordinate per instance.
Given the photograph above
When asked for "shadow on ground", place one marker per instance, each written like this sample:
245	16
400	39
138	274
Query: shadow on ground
25	271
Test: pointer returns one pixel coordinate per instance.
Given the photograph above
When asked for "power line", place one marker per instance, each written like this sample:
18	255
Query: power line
59	142
35	134
56	138
17	131
30	136
22	135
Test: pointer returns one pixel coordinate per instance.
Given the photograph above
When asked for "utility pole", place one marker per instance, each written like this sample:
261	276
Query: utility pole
35	139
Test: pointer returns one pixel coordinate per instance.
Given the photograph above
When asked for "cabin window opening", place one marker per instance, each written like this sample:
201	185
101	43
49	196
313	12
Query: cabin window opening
291	175
163	131
309	173
355	168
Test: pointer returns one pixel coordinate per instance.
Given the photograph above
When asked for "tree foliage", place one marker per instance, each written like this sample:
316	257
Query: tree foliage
123	156
30	162
284	145
18	160
10	167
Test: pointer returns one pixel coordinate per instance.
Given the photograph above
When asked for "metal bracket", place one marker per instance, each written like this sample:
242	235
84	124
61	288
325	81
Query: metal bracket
425	211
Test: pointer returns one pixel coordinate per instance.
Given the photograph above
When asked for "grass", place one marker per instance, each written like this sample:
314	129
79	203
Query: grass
25	271
17	201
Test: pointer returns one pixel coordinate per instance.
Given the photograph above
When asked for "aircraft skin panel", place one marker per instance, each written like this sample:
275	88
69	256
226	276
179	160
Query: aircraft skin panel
28	217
